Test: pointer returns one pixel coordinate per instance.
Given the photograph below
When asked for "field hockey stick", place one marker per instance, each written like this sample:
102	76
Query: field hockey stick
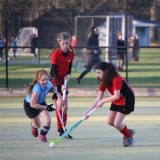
64	98
62	116
72	128
59	115
64	92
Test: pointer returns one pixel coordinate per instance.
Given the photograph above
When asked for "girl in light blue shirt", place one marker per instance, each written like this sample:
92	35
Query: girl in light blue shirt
35	104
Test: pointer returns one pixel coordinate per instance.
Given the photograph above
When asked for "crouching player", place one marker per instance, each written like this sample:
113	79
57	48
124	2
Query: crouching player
35	104
122	99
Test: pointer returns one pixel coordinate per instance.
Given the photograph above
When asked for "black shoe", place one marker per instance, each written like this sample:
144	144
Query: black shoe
61	132
69	136
78	80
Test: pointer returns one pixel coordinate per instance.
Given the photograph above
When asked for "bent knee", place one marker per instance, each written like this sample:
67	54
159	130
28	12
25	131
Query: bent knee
117	125
110	123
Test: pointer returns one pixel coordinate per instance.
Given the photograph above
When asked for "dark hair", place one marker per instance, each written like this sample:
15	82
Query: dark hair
110	72
93	28
92	31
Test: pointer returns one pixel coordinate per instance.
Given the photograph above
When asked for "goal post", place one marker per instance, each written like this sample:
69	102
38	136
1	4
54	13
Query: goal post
109	26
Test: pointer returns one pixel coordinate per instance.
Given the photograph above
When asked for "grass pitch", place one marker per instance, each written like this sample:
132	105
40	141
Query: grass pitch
93	139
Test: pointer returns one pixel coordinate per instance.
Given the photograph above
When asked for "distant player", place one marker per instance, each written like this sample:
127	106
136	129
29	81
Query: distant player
61	59
122	99
92	53
121	50
35	104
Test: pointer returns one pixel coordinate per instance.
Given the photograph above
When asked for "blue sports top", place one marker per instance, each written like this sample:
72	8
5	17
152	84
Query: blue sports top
42	91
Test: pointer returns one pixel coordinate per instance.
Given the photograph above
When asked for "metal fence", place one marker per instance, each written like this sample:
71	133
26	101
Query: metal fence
143	73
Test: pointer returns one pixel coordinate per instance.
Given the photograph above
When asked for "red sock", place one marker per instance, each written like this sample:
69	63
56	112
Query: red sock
65	118
125	132
59	125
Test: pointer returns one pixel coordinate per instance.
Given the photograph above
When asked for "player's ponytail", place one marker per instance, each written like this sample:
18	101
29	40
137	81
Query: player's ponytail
57	45
30	87
71	47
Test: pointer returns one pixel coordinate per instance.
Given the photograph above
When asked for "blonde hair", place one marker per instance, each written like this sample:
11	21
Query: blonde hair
38	76
62	36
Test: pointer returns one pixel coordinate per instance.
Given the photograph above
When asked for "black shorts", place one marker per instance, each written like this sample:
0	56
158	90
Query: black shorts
120	54
31	112
127	109
59	90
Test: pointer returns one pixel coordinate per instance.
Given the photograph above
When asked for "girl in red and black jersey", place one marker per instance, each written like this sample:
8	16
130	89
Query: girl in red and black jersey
61	59
122	99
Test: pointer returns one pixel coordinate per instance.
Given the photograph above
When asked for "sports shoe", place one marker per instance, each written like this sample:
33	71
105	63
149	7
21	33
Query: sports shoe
34	131
61	132
132	131
78	80
120	68
128	142
43	138
69	136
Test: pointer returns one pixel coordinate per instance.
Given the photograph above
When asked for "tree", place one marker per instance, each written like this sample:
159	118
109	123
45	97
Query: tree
25	13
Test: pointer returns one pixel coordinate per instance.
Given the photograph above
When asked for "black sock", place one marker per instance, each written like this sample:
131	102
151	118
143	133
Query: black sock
44	130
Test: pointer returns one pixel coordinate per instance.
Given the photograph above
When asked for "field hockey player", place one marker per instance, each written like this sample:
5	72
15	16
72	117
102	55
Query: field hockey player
122	99
35	104
61	60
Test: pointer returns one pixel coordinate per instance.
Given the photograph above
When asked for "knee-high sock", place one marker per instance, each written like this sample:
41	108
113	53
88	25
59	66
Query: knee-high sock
125	132
59	125
65	118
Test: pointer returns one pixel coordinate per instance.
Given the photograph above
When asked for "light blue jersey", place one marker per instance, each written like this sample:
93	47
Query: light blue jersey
42	91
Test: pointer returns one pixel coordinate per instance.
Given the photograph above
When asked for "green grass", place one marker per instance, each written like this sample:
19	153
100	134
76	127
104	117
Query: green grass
144	73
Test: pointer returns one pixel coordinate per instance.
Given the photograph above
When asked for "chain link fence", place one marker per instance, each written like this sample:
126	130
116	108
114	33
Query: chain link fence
143	73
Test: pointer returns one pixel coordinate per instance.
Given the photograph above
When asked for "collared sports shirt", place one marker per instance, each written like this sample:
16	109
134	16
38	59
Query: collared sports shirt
62	62
126	92
42	91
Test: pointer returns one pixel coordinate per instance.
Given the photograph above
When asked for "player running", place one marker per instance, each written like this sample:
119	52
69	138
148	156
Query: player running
61	59
122	99
35	104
